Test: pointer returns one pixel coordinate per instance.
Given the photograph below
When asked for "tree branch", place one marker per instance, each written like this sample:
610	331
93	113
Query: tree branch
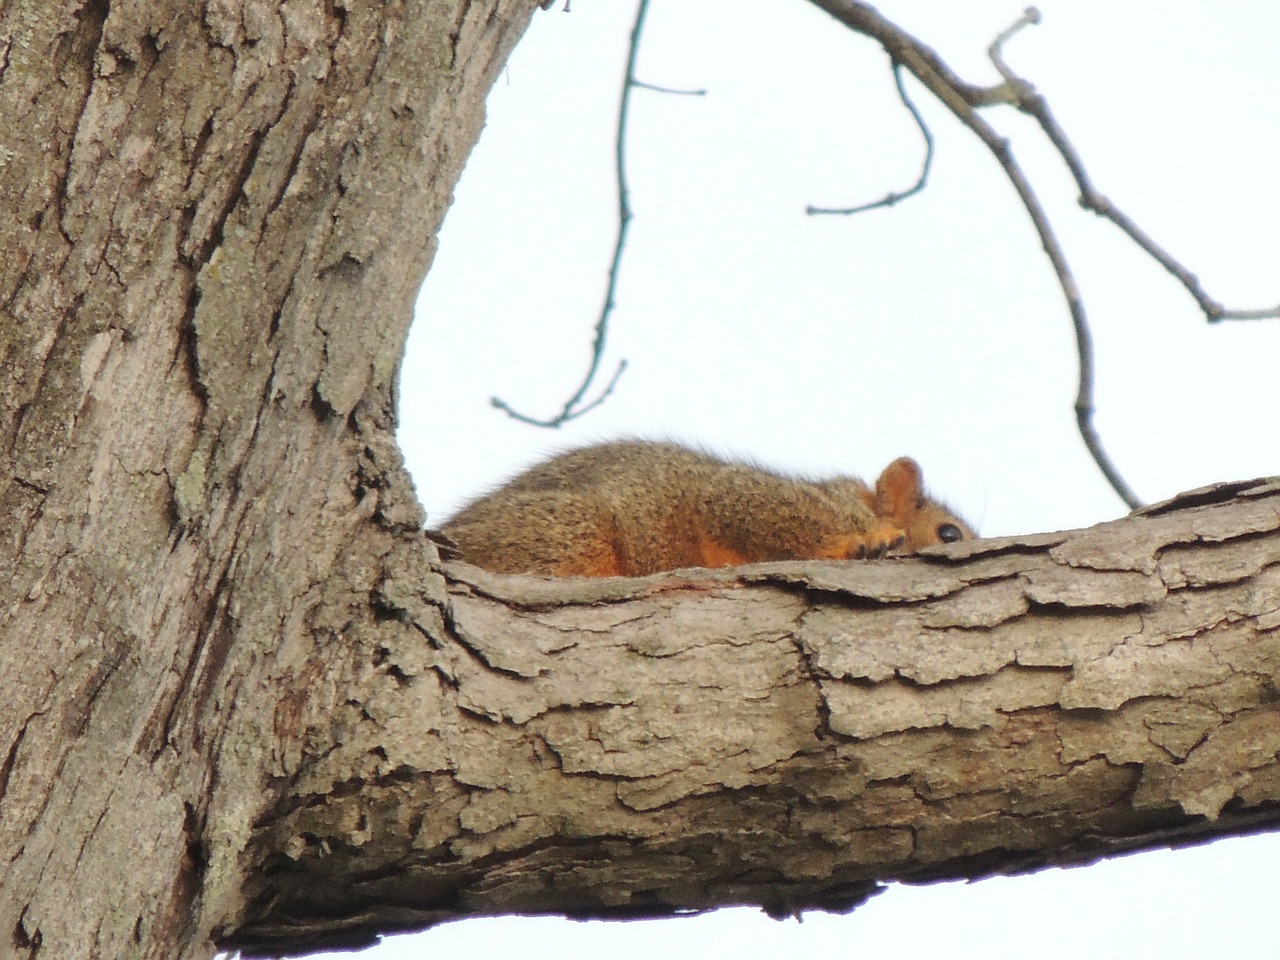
574	407
963	99
1023	95
893	197
788	735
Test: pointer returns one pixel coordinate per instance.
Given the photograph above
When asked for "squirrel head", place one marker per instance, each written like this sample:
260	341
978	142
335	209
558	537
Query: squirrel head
899	495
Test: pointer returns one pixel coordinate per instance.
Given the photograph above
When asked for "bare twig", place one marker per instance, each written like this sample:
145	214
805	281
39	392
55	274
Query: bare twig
1030	17
571	409
893	197
701	92
962	99
1029	101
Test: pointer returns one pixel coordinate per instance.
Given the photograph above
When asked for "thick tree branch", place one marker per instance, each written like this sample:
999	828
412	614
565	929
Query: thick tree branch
791	735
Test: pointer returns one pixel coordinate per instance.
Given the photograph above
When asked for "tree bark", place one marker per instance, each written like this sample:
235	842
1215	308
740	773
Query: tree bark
220	216
788	735
246	705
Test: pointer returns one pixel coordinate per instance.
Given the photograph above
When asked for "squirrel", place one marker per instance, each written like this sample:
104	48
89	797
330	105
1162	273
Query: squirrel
635	507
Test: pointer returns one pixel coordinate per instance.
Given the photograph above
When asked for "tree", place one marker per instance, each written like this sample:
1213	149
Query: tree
263	714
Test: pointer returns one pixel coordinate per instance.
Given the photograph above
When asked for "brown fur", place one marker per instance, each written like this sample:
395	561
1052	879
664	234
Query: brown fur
636	507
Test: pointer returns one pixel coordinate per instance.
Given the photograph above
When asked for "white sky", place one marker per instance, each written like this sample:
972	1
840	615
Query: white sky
934	329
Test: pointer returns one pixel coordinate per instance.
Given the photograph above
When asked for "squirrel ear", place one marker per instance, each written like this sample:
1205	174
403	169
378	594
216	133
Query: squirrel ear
899	489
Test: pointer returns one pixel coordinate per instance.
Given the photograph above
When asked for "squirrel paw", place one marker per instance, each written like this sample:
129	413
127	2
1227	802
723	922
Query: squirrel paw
879	540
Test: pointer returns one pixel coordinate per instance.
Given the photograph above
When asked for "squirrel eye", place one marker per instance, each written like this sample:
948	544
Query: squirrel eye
949	533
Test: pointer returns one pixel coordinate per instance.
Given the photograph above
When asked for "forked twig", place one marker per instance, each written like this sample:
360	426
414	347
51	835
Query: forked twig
571	409
1030	102
962	99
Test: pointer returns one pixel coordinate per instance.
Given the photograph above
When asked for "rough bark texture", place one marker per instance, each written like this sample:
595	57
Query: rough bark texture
789	735
223	213
243	704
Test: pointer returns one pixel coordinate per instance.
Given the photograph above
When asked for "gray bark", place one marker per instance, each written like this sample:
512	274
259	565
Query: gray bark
220	214
791	735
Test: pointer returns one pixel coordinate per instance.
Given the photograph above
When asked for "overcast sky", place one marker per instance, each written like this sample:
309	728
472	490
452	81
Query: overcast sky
933	329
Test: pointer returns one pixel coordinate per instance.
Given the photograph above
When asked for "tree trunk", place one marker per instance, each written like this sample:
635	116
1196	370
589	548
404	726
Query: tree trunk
244	702
220	215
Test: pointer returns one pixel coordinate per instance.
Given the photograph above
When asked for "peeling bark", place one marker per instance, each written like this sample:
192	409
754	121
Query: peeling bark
790	735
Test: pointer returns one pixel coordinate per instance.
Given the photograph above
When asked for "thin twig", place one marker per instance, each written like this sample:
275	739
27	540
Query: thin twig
1022	94
1035	106
675	91
1030	17
892	198
571	409
962	99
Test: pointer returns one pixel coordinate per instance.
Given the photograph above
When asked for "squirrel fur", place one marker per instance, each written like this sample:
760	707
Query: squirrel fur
636	507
